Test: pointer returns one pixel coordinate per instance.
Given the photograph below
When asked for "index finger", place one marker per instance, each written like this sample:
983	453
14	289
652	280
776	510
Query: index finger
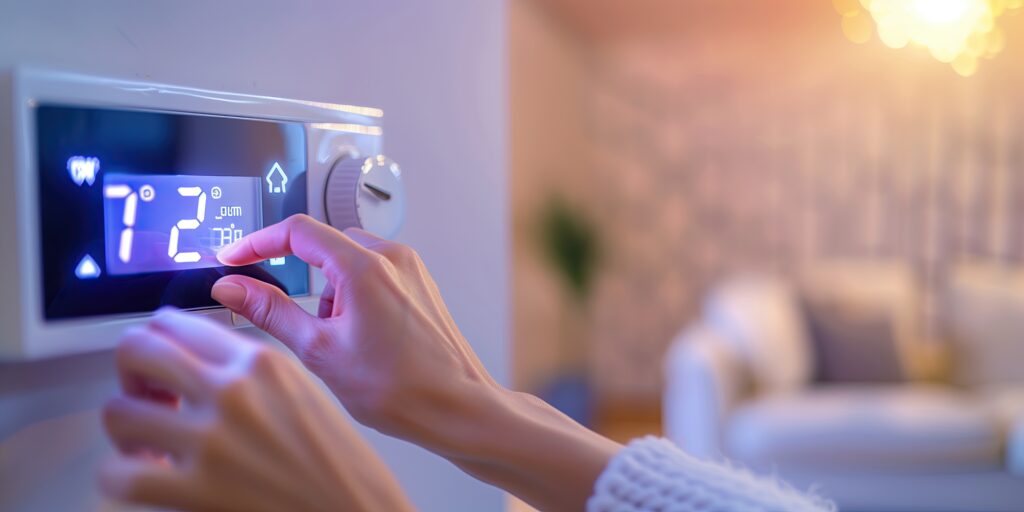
313	242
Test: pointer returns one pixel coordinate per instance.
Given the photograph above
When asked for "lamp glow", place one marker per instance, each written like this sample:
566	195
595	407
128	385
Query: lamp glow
957	32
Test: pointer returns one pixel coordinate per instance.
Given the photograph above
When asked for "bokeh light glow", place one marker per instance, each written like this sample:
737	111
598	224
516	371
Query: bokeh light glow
957	32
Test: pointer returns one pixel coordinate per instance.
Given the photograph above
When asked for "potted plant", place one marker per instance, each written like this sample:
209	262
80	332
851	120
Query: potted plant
569	243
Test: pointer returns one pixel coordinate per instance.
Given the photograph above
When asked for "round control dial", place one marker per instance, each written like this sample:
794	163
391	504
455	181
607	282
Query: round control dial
366	193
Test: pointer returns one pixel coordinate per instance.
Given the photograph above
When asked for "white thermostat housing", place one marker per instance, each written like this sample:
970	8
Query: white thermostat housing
116	194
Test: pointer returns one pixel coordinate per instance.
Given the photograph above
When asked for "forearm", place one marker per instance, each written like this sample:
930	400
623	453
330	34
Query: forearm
521	444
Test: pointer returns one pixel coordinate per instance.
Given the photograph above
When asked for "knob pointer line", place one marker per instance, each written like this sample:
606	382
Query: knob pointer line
379	193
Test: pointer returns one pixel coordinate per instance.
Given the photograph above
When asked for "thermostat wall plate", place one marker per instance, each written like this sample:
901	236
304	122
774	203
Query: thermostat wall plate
116	196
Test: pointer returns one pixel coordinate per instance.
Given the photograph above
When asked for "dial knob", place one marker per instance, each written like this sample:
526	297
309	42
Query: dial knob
366	193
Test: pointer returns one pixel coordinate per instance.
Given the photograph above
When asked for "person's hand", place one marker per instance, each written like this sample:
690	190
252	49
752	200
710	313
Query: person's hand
385	344
213	421
383	340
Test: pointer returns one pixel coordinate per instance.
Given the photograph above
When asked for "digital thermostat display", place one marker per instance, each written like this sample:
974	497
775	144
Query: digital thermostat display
155	223
133	205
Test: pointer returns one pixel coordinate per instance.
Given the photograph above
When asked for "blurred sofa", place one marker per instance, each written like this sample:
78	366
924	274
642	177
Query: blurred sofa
833	384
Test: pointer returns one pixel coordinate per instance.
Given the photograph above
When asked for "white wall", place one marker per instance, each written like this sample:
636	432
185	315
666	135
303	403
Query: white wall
436	68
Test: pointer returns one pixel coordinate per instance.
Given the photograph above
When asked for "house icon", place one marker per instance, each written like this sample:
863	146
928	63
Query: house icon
277	180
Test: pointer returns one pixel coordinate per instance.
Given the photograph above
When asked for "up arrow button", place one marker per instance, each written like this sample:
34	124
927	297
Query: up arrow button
87	268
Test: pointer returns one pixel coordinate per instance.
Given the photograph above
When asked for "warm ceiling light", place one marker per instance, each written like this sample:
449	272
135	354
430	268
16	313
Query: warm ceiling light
958	32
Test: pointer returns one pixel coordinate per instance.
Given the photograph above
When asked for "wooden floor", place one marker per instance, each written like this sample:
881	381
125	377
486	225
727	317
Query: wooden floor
624	421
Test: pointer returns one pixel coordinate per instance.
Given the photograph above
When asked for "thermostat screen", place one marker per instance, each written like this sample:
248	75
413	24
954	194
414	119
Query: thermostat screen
155	223
134	205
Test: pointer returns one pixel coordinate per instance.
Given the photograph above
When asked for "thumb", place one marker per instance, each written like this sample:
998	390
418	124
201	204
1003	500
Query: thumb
268	308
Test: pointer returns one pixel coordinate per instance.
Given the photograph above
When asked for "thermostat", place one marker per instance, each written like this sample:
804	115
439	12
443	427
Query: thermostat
118	194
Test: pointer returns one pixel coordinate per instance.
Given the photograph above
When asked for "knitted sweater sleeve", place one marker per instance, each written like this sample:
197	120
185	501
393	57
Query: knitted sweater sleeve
652	474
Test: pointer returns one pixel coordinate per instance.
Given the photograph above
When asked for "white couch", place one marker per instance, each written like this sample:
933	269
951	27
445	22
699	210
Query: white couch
739	386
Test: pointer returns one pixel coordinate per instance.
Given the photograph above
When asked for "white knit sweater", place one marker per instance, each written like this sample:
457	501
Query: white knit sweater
652	474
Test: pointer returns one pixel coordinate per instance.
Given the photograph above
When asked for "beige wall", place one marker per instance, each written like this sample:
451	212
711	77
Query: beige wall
548	79
767	141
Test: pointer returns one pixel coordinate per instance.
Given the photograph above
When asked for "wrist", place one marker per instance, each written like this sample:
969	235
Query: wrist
456	421
522	428
522	444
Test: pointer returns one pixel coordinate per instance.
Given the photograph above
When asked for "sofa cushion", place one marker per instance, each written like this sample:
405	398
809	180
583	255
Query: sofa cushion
866	427
879	288
852	343
760	317
986	317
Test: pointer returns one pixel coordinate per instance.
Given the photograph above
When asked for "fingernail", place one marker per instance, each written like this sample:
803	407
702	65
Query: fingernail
229	294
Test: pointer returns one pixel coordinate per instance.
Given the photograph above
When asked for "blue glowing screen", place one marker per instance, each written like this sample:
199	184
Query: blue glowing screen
154	223
134	204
